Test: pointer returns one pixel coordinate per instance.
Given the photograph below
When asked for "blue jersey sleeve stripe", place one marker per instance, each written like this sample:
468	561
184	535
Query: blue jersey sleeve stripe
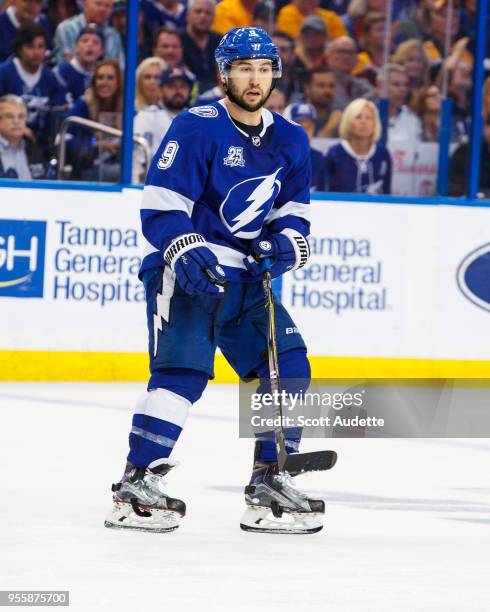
163	199
296	209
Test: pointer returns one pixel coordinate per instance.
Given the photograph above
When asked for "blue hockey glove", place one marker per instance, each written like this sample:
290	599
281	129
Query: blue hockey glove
288	250
195	266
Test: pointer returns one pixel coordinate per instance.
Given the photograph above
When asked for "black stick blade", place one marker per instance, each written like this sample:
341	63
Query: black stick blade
317	461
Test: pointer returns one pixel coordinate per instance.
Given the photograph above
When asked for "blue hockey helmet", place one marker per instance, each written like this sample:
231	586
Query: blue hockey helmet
247	43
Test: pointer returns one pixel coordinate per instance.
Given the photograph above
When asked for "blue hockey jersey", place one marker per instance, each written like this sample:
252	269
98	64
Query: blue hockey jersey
73	78
8	29
347	172
156	15
317	170
44	99
209	176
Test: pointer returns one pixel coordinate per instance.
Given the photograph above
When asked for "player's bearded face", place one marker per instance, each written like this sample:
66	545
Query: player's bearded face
249	83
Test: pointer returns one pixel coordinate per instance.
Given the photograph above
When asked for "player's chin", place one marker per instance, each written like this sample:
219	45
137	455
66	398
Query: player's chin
253	106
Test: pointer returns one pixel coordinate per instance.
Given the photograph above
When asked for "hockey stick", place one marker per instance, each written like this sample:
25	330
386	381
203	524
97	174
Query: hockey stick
298	462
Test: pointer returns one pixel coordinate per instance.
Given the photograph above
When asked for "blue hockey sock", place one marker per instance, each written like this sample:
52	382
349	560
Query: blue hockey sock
295	372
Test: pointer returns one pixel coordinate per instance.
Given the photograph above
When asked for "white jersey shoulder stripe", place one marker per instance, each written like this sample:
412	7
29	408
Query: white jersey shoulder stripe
161	198
297	209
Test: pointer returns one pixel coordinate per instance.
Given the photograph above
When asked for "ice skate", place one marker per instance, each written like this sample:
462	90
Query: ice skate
275	505
141	503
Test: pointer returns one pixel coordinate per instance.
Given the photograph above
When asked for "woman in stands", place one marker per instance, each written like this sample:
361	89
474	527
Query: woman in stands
148	76
426	103
359	163
95	156
412	56
370	59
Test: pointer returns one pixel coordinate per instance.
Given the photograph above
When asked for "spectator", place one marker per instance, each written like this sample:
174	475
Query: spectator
264	17
276	102
338	6
233	14
59	10
459	89
148	75
412	56
199	43
341	55
458	169
97	156
486	102
75	75
211	95
426	104
417	23
97	12
168	45
438	16
18	13
20	157
370	60
310	49
145	33
358	9
290	18
290	82
320	93
403	124
153	122
359	163
27	76
164	13
305	115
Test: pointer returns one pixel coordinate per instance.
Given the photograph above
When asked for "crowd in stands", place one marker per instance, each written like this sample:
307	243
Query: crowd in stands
61	58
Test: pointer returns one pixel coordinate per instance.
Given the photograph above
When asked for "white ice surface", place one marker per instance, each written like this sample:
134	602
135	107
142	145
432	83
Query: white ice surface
407	525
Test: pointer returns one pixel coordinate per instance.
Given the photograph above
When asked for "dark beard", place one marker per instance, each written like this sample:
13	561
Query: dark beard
175	106
229	91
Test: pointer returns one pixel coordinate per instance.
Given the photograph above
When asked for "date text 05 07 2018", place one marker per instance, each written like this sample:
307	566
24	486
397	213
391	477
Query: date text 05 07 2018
34	598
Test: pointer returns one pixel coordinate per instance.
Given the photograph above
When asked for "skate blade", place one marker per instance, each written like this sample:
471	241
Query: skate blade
261	520
122	516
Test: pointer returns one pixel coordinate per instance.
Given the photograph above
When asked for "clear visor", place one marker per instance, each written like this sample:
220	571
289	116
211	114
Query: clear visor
253	67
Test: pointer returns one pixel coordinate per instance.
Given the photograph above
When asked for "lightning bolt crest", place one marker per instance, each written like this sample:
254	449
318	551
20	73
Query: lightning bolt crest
259	196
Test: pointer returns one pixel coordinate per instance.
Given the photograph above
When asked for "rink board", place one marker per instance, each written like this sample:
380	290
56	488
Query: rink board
391	290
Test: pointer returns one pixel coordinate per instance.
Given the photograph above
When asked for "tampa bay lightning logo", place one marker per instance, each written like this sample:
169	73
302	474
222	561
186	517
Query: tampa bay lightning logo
248	203
473	277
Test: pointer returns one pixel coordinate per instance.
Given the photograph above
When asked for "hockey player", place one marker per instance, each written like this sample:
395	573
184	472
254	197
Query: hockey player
228	186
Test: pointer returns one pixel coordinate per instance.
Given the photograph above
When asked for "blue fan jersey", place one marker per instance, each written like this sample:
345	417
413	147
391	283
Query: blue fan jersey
347	172
317	170
9	29
73	78
208	176
42	99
